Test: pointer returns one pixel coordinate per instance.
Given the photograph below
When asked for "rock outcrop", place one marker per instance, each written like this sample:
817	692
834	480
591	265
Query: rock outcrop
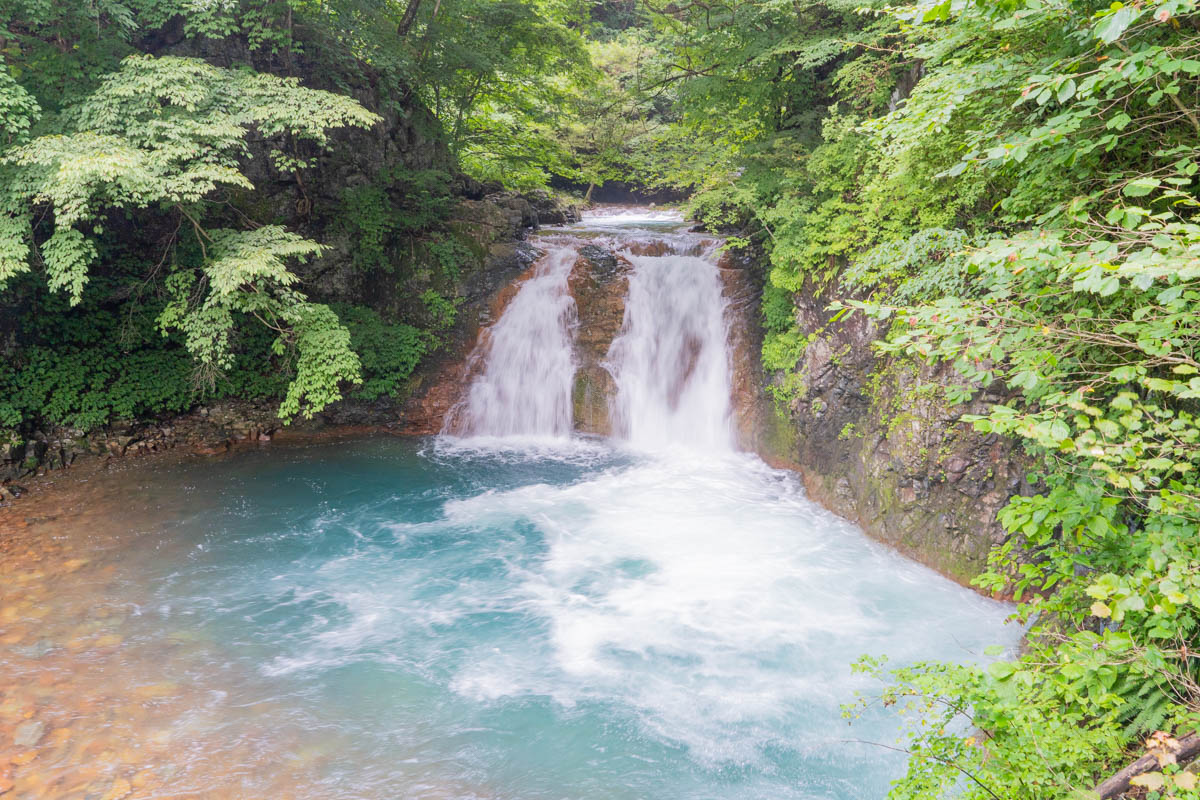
599	282
877	442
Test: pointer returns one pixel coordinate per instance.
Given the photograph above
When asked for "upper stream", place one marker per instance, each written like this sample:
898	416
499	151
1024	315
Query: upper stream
510	612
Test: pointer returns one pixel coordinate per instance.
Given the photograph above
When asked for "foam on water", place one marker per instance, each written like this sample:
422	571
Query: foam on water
629	626
632	217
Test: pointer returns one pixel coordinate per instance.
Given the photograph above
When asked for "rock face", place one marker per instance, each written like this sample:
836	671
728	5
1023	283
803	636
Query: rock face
599	282
877	443
754	419
551	210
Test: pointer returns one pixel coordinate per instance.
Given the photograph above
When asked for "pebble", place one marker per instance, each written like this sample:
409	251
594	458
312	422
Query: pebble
29	733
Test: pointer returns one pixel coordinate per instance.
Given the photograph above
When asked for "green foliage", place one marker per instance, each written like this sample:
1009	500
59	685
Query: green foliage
386	219
777	309
450	254
1023	208
1081	303
929	264
498	74
168	133
388	353
100	361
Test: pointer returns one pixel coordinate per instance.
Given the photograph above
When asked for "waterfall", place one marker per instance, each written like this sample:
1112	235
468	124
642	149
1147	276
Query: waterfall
528	367
671	361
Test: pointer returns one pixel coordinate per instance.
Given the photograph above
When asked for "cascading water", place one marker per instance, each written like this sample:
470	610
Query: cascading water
473	618
525	387
670	362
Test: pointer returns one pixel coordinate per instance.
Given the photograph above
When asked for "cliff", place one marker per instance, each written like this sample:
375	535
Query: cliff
877	442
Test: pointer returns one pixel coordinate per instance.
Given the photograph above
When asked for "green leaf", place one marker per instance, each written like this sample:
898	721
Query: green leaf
1118	121
1140	187
1067	90
1112	26
1001	670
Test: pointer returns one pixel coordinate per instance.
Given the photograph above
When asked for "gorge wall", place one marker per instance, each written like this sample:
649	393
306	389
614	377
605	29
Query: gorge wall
877	442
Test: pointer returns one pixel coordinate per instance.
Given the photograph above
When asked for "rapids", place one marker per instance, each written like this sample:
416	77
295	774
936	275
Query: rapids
510	612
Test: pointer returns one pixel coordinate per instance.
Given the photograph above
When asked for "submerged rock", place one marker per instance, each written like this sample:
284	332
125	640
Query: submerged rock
29	733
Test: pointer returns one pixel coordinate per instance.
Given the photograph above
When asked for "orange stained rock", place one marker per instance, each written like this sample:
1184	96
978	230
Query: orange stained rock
22	759
156	690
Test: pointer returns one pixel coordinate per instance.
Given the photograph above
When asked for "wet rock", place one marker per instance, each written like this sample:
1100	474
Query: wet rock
120	789
877	442
29	733
211	448
599	282
551	210
600	265
656	248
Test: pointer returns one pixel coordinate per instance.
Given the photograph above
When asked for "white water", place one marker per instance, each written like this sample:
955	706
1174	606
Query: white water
670	361
525	389
689	616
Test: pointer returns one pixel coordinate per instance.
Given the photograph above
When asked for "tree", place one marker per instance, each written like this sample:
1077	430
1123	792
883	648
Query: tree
164	135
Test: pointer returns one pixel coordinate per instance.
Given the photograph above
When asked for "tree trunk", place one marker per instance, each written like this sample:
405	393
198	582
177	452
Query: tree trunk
1117	785
410	16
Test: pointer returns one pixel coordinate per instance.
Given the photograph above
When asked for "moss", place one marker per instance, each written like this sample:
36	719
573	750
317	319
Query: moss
778	434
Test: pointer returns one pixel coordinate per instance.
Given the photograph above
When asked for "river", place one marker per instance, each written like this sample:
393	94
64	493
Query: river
508	610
